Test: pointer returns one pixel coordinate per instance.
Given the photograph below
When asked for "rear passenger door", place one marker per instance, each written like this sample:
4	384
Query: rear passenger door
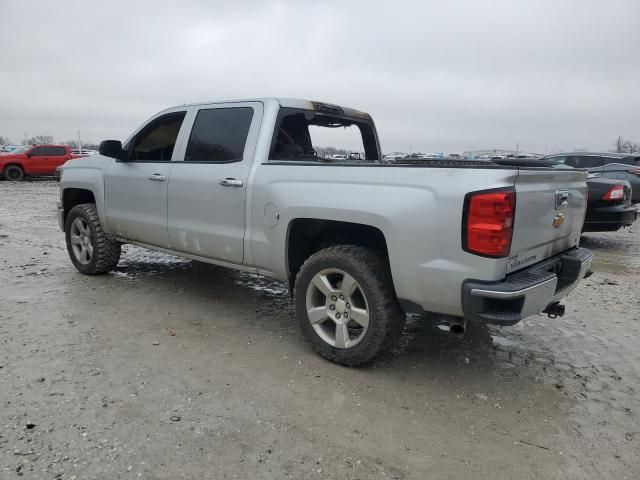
56	156
208	184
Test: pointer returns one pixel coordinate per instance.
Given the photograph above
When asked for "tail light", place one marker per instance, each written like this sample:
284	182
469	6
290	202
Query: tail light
614	193
487	225
635	171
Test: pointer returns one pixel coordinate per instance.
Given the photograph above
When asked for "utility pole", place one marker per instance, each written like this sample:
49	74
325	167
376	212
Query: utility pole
25	138
517	148
79	142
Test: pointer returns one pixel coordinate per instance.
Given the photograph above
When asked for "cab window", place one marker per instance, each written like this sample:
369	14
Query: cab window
37	152
156	141
317	136
219	135
583	161
55	151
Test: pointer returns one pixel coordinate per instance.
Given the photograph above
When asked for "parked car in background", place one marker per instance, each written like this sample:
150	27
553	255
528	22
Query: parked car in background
83	151
34	160
609	205
9	148
240	185
618	166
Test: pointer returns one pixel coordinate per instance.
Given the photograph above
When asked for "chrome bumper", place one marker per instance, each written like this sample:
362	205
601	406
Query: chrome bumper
527	292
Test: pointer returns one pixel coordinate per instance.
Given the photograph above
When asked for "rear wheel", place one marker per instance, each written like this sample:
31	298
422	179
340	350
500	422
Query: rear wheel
14	173
90	250
346	304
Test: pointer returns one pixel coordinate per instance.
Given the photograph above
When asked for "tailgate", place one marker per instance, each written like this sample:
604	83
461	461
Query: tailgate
550	206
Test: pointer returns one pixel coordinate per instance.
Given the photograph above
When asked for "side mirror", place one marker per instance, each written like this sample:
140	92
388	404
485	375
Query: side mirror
112	148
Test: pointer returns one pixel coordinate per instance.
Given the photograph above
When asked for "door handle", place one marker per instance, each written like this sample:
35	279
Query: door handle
156	177
231	182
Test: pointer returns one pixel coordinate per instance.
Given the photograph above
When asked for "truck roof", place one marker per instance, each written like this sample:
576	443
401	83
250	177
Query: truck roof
323	107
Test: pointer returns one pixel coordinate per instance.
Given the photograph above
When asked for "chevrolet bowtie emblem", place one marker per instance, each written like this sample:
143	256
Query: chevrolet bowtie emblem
558	220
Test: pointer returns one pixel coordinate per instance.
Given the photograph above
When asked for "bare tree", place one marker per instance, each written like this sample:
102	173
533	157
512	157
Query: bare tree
40	140
85	145
631	147
626	146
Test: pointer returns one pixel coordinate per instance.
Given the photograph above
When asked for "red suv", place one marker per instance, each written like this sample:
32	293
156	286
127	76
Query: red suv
34	160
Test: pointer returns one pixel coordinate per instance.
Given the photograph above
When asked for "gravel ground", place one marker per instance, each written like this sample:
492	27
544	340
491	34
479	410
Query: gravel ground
168	369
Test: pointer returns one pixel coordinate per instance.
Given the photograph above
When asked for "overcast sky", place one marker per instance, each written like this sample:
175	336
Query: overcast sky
436	75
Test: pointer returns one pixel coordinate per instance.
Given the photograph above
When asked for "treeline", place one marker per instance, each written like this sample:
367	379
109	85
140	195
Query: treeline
626	146
46	139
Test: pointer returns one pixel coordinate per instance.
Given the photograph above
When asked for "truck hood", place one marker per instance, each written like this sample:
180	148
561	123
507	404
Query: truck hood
12	156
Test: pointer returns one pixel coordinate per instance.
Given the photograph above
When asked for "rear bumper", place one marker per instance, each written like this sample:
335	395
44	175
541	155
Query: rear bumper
603	219
527	292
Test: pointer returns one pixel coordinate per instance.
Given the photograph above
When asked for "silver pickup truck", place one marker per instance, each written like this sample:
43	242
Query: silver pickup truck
360	241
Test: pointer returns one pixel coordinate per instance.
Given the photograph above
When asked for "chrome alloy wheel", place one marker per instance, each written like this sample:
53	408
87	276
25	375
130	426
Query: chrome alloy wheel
81	241
337	308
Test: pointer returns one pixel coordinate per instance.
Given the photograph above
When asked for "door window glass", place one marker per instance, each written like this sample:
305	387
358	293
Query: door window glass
156	141
588	161
37	152
219	135
55	151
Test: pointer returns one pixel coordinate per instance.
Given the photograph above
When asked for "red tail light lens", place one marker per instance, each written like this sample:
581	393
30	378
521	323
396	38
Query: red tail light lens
614	193
488	223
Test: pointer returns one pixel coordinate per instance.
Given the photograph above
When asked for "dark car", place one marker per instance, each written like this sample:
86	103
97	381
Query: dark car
618	166
609	205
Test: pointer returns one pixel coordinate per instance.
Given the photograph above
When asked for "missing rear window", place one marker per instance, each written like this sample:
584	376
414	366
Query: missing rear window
310	135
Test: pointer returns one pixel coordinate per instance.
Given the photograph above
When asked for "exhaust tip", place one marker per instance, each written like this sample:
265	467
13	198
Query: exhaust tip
458	328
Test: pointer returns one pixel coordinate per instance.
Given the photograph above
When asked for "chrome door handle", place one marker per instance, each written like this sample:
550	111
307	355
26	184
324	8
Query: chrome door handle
156	177
231	182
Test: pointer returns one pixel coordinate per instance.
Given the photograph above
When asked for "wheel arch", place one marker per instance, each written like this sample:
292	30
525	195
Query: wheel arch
306	236
75	196
14	163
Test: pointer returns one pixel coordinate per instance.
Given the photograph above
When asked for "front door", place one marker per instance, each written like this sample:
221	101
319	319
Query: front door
208	183
36	163
136	186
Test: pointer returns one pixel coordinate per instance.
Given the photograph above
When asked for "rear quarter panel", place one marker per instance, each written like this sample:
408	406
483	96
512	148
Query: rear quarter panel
418	210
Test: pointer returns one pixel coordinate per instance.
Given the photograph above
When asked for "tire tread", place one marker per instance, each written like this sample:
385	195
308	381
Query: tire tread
373	269
105	249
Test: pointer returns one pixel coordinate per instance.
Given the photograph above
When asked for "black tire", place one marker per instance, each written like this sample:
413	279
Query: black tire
14	173
105	253
371	271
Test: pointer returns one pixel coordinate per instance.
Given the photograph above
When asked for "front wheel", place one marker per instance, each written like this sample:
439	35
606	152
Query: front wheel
90	250
14	173
346	304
